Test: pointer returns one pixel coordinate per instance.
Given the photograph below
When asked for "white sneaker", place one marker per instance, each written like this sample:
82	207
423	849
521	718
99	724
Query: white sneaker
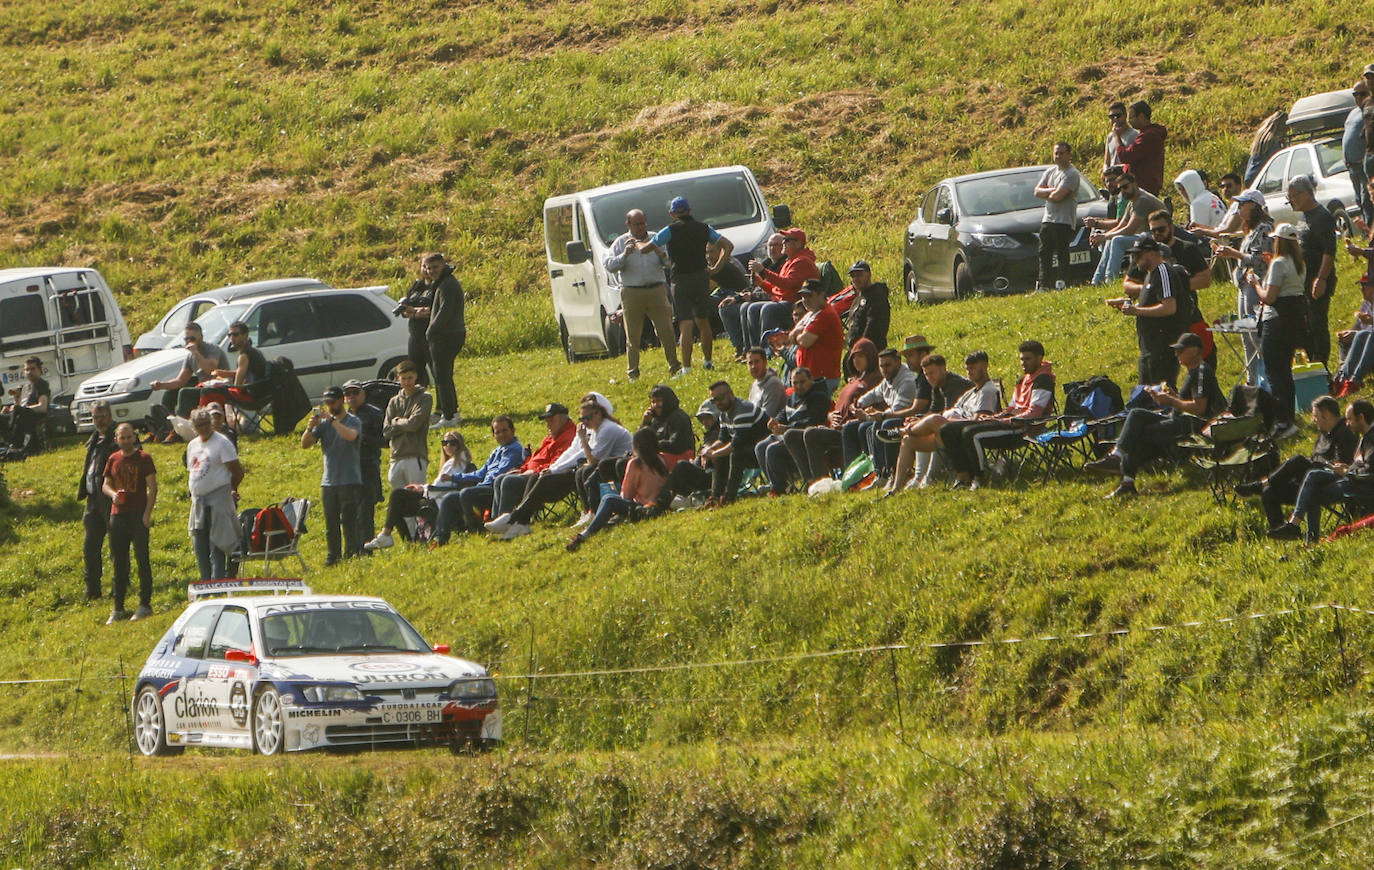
500	524
1284	432
516	530
683	372
680	503
381	542
445	422
583	520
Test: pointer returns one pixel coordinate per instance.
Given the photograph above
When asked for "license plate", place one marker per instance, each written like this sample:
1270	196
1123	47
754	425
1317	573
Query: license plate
1078	258
422	716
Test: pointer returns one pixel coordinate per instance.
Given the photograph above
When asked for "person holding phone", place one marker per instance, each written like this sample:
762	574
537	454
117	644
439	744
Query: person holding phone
130	484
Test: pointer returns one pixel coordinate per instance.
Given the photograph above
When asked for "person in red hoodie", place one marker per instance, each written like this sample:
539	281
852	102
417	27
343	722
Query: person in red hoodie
507	490
816	449
798	267
1144	158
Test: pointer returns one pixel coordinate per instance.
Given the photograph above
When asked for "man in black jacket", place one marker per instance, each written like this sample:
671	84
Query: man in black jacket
872	311
96	517
370	456
1335	446
809	405
446	335
415	307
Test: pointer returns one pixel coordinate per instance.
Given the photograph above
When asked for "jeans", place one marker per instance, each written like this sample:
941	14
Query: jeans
732	318
507	491
443	352
776	461
861	436
1320	486
340	516
209	558
759	317
127	530
1359	360
727	472
1358	180
1109	267
96	521
1281	487
611	506
1054	254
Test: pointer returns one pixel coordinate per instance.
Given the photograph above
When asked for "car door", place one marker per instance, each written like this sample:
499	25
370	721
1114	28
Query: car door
181	702
576	297
918	235
1272	184
84	345
289	328
24	332
943	245
356	335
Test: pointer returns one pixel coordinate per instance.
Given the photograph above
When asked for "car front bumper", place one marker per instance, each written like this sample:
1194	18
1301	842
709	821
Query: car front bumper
392	724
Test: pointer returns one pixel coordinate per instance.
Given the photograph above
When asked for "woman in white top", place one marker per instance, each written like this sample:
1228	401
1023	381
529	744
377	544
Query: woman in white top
1283	320
410	501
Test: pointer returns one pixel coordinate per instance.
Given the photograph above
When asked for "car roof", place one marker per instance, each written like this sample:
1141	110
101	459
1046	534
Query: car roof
258	288
993	173
318	291
654	179
20	273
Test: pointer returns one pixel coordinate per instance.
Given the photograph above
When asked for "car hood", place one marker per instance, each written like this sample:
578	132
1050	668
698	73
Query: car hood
158	365
1024	221
379	671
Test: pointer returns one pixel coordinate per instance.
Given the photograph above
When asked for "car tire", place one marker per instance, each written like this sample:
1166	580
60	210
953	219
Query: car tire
269	723
1342	220
913	292
963	280
567	345
388	369
150	726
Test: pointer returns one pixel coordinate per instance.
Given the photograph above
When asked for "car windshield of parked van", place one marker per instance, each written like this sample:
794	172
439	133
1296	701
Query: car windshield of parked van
1012	191
327	629
215	323
725	200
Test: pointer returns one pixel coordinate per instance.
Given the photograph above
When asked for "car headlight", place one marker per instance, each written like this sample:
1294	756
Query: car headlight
127	385
472	687
321	694
996	240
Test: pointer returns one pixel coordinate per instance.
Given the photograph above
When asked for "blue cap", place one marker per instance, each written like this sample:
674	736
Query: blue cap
678	205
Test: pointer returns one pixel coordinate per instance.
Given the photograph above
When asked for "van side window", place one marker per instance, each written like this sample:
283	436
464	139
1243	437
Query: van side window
558	223
23	315
347	314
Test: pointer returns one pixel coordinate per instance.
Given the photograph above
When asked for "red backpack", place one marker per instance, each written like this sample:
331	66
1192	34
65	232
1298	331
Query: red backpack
271	519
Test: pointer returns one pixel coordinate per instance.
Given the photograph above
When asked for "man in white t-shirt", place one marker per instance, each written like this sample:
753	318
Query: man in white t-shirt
1058	187
919	440
214	474
1121	133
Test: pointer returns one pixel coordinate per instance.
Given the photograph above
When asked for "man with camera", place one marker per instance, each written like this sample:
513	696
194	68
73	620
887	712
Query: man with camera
338	432
202	359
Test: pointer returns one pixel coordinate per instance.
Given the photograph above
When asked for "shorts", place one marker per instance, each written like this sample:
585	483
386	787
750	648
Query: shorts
692	296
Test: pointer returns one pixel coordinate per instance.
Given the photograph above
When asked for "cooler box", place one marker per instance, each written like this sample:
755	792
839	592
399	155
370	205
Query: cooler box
1309	383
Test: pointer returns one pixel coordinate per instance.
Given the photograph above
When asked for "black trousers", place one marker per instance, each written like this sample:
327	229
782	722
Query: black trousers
544	488
588	477
823	450
95	519
1150	435
1158	365
1281	488
442	353
341	521
686	478
417	348
1054	254
127	530
365	515
403	503
959	437
728	471
1318	329
1278	339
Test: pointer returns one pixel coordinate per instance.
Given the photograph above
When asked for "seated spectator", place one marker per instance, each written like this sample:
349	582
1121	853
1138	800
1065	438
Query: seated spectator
883	407
507	490
964	441
742	426
782	286
1357	345
920	436
645	477
509	453
1338	482
1205	209
1148	434
1115	239
21	422
871	311
817	450
945	389
202	360
413	499
732	307
766	390
780	346
1335	445
819	337
670	425
807	406
597	437
694	475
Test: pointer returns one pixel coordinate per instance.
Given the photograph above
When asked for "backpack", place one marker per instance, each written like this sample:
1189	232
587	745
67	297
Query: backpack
831	280
257	524
1093	399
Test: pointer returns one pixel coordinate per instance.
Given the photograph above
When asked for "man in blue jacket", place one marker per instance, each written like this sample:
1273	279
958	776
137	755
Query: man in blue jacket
507	456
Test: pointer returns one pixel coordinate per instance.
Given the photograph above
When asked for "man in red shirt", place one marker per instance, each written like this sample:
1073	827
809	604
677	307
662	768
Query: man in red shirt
131	486
508	489
819	337
782	286
1144	157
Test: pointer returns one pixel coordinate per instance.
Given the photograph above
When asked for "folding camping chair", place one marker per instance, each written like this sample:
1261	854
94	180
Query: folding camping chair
1092	410
1231	450
280	544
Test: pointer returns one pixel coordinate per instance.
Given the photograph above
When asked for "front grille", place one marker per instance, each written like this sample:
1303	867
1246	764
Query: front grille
88	390
431	693
393	735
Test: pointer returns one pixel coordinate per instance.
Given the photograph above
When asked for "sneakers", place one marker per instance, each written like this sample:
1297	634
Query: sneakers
1285	532
500	524
381	542
515	530
1250	487
117	616
1125	489
1109	464
583	520
446	422
574	543
683	372
143	612
708	365
1284	431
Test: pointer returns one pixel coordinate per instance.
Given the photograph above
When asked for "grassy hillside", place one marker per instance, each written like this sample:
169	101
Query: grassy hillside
179	146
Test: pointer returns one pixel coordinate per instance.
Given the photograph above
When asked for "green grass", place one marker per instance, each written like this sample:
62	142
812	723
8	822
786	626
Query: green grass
178	146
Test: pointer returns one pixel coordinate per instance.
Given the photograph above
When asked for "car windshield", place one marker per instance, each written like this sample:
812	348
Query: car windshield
349	627
1010	191
215	322
724	200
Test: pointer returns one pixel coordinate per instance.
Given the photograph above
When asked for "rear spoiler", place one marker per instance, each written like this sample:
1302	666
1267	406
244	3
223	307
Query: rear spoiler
198	589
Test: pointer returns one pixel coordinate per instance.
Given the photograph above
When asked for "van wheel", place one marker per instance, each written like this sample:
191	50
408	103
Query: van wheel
614	334
913	294
388	370
963	281
567	345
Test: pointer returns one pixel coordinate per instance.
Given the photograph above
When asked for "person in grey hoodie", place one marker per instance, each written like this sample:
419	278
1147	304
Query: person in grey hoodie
406	425
446	334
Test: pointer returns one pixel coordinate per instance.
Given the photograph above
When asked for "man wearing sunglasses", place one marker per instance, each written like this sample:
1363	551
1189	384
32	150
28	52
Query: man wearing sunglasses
1116	239
251	365
1121	133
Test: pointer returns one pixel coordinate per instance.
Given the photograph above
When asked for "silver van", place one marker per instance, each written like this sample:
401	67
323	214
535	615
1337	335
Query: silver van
579	229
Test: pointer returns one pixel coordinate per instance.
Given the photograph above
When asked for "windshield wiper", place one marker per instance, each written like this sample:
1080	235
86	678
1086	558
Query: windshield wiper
374	646
301	648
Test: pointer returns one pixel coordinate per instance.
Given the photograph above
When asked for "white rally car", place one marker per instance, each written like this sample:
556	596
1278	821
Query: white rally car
275	673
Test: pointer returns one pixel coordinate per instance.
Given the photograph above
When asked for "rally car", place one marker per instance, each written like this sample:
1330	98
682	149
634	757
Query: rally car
282	672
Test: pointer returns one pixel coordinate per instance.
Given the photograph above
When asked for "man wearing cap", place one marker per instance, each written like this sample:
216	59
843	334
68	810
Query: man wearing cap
872	310
914	350
782	285
819	337
1353	147
643	292
685	242
1192	259
506	491
1317	237
1133	221
1058	187
370	444
1157	312
1148	434
221	423
766	391
339	433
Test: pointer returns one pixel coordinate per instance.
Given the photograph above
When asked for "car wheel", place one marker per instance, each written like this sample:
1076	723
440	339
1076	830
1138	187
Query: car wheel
1342	221
388	370
963	280
150	729
268	724
567	345
913	294
614	333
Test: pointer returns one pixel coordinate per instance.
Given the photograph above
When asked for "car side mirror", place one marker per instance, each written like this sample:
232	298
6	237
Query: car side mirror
441	648
782	217
577	253
240	655
945	216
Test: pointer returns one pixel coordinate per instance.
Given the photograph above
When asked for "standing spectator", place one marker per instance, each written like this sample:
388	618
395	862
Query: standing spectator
1205	209
1117	238
1335	445
872	310
1317	235
645	477
508	455
643	292
95	519
766	391
1353	148
447	332
1249	254
370	444
1159	312
406	424
1144	157
1283	322
783	286
807	406
1269	138
819	337
213	477
1121	133
1192	259
742	427
818	449
509	488
130	484
1058	187
1323	486
685	239
415	308
22	420
202	359
339	434
222	424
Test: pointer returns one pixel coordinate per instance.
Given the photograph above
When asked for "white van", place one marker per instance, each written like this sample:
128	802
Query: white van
579	229
66	317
